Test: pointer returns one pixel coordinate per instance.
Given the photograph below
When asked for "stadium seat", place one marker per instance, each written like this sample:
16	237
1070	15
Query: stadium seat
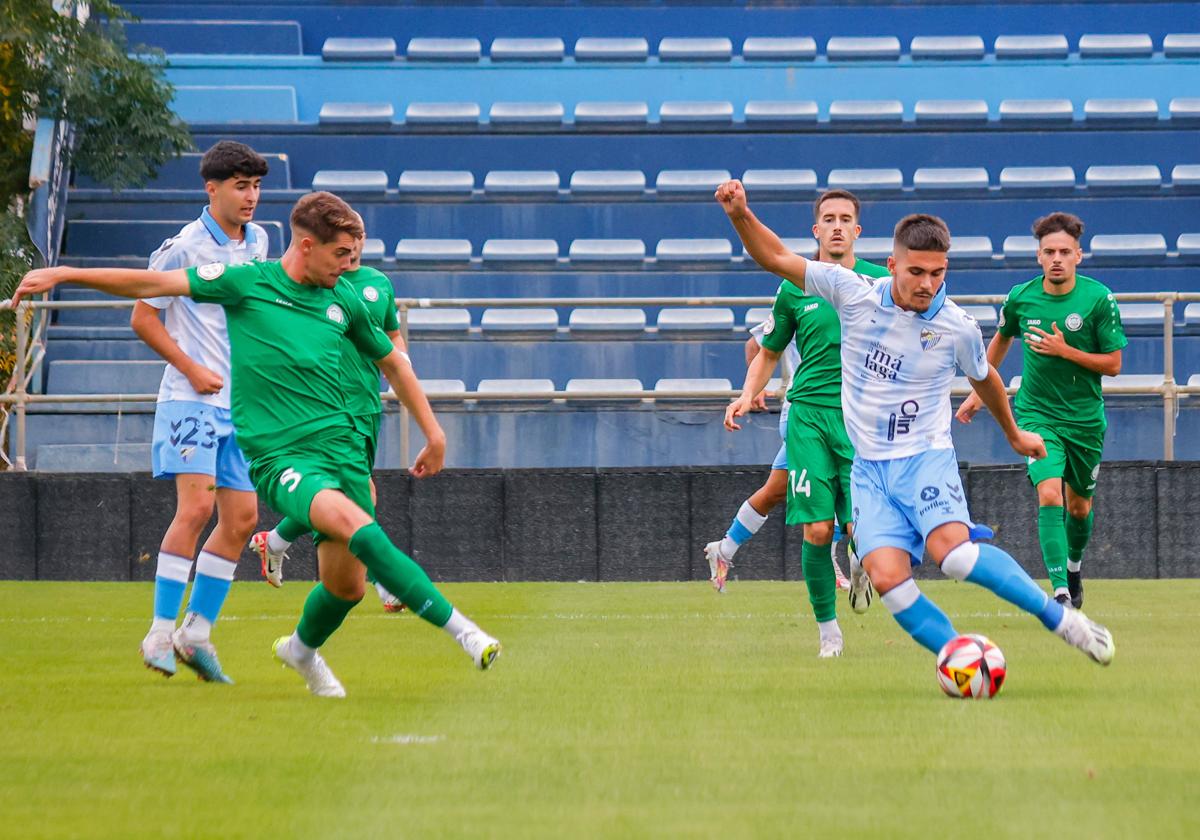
951	110
628	385
702	385
709	251
1185	175
973	248
1123	110
373	250
695	319
1122	177
517	386
1184	108
526	114
506	182
696	112
1191	316
519	320
608	251
1128	246
1037	110
1037	178
877	180
755	315
1140	380
520	251
439	320
607	320
876	248
1181	45
946	47
695	49
356	113
866	110
436	182
805	246
699	182
1141	314
611	49
527	49
1115	46
985	315
863	49
1020	248
442	387
442	113
212	104
780	182
444	49
359	49
358	182
607	182
611	113
784	111
433	251
779	49
1188	246
938	179
1031	46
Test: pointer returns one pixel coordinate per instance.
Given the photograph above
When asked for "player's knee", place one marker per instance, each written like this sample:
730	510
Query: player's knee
348	589
1050	494
885	576
193	514
818	533
240	523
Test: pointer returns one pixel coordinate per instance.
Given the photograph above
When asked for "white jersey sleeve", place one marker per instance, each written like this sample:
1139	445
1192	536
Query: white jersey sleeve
171	255
835	283
969	352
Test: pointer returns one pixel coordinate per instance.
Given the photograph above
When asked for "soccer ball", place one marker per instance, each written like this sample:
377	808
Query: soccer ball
970	667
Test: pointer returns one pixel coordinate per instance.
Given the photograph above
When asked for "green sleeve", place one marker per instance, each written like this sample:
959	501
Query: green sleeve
1110	333
782	326
390	322
1010	324
362	331
219	283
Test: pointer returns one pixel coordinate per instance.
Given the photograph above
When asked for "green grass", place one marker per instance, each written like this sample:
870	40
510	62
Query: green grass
617	710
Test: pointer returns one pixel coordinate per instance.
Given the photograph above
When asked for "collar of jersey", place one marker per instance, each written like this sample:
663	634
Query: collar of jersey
929	314
215	231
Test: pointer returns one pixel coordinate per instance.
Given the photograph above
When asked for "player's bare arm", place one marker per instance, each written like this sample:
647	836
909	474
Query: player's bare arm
400	375
761	243
123	282
149	328
996	351
1055	344
991	391
759	402
757	376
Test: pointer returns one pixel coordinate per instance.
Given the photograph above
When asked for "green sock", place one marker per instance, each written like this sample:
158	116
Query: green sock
323	613
400	574
1079	531
291	529
1052	534
816	562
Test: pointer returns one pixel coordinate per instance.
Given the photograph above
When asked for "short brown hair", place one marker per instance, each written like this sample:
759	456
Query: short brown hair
324	215
229	158
1066	223
920	232
827	195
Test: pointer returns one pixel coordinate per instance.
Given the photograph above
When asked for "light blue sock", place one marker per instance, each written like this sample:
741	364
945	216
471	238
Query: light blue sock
214	575
919	616
992	568
837	532
170	580
744	526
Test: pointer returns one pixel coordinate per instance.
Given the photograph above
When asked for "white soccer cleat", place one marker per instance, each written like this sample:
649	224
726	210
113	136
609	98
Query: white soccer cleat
481	647
718	566
391	604
158	652
861	592
831	646
271	562
317	676
1093	639
839	578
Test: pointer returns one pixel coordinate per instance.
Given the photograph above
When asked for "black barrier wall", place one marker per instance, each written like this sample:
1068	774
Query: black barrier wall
612	524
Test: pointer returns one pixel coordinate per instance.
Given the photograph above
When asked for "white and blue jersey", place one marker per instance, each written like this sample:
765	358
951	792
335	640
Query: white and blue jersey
791	363
897	370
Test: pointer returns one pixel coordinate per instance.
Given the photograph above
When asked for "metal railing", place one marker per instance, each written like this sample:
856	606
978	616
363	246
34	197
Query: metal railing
20	398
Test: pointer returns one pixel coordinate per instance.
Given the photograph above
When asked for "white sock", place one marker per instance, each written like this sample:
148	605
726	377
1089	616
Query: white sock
1074	566
1062	590
275	543
299	650
384	595
748	519
458	624
196	628
829	629
162	625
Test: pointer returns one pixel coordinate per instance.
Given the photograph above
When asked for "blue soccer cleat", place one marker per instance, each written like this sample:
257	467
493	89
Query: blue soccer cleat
201	657
158	652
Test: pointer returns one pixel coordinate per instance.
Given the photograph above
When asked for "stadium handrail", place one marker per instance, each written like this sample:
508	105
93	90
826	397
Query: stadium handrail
20	398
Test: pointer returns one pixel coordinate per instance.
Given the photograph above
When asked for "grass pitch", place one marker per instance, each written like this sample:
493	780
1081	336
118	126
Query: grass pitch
617	710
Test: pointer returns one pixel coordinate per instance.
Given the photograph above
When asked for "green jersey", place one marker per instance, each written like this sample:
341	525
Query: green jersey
814	324
1053	389
360	376
285	343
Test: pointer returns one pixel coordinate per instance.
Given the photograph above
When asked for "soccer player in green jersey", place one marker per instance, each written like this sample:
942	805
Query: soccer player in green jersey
360	378
1073	336
288	321
813	470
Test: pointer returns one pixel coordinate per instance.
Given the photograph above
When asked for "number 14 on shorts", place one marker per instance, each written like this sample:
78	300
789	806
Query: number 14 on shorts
800	483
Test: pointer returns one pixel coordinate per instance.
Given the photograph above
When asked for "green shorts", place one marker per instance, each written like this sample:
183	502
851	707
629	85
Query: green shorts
367	426
1071	454
288	479
819	456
